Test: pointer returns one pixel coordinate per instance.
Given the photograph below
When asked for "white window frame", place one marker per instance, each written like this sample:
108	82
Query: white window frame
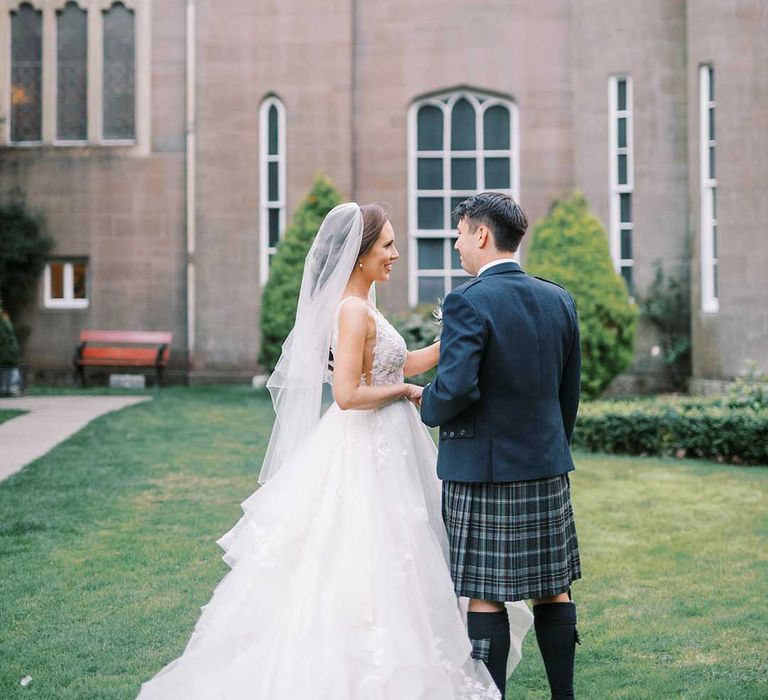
141	144
69	301
445	102
710	303
265	204
615	190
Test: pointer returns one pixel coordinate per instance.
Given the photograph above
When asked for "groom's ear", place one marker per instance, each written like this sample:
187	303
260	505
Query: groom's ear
483	236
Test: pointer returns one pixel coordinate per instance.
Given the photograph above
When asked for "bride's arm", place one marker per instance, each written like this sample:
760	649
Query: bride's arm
418	361
348	364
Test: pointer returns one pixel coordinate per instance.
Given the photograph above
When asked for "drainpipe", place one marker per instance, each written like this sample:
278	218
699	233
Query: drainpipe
191	213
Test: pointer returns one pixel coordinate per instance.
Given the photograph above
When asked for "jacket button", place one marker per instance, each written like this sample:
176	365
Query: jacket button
453	434
463	433
443	434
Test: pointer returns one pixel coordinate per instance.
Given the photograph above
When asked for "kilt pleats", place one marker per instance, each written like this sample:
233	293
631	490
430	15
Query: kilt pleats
511	541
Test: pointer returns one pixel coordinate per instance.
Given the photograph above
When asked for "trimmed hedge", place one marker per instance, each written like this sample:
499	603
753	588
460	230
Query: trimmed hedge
709	429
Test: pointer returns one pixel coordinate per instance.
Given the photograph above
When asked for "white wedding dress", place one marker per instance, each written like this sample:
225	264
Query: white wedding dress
339	588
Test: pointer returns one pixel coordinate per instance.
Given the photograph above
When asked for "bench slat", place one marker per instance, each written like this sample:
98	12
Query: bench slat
121	356
146	337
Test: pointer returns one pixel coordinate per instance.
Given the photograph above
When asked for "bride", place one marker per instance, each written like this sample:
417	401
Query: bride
339	587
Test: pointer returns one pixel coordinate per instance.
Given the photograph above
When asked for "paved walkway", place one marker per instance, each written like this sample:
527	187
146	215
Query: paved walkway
50	420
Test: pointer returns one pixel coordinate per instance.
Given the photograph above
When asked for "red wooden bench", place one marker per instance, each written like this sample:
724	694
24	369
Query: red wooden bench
123	349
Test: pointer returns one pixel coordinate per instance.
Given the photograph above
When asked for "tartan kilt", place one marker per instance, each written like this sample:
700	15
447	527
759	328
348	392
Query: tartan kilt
511	541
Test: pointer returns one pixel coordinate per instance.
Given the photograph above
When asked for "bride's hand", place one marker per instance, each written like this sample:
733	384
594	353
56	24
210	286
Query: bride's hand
413	394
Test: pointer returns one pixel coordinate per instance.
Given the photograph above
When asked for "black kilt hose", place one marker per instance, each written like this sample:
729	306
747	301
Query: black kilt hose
511	541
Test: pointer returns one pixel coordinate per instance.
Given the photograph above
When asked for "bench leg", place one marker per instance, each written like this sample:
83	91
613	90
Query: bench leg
159	374
81	376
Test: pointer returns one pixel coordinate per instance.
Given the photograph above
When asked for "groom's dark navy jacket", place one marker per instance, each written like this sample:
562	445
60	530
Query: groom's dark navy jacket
507	385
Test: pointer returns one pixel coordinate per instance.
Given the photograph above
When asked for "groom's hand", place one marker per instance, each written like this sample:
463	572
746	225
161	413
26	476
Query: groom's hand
413	393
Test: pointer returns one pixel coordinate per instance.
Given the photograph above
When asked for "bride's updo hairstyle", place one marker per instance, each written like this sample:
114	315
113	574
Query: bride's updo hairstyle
374	218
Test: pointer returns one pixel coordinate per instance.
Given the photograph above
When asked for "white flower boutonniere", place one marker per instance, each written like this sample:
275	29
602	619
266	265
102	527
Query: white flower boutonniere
437	312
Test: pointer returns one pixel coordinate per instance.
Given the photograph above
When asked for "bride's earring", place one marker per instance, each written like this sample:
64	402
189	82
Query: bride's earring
360	265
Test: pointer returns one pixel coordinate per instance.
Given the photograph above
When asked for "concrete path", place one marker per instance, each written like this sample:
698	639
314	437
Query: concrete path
50	420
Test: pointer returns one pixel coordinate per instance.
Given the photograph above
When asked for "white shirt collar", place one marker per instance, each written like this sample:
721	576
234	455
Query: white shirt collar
489	265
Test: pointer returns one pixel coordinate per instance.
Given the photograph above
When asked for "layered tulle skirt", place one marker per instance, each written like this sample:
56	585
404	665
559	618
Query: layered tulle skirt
339	587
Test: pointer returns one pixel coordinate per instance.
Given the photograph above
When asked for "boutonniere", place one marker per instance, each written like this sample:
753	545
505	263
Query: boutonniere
437	313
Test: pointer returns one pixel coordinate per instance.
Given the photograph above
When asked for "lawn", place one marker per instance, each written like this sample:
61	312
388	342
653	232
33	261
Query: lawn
107	553
8	413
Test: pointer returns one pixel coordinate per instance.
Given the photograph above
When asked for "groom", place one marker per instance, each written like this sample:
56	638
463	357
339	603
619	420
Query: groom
505	398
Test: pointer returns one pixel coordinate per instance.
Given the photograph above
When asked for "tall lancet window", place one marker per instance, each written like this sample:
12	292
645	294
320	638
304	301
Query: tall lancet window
621	176
26	74
272	179
710	293
459	143
119	77
71	73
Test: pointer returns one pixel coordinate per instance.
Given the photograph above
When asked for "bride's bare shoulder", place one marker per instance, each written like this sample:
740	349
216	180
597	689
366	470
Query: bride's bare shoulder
354	314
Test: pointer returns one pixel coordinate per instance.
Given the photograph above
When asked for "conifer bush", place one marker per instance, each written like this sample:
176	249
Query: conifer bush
570	247
281	293
24	248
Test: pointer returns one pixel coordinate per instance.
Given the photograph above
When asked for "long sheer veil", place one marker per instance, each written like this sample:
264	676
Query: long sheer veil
296	385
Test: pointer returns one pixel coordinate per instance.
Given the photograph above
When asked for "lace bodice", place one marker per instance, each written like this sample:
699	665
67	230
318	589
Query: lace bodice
389	353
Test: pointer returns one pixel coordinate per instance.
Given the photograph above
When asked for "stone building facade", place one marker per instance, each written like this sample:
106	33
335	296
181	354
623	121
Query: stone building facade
167	142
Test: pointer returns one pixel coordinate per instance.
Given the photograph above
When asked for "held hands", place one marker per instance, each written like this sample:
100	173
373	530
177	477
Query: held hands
413	394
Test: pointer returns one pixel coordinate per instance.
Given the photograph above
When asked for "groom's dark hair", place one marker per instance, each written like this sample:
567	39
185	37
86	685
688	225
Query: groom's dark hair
501	214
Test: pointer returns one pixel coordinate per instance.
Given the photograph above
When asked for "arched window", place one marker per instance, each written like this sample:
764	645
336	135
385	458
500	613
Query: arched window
26	74
77	72
272	179
119	74
459	143
71	73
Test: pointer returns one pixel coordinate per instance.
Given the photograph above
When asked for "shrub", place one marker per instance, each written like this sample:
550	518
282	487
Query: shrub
24	249
750	390
667	306
694	427
570	247
281	293
9	349
419	329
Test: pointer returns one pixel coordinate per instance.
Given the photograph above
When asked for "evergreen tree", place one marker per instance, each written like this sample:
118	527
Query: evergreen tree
281	293
570	247
24	249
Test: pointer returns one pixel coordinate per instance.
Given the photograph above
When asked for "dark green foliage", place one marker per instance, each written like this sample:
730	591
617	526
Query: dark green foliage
419	329
689	427
570	247
281	293
9	349
667	306
750	390
24	249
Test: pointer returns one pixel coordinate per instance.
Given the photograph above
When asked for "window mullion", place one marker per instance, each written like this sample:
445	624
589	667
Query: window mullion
69	282
95	72
49	74
479	155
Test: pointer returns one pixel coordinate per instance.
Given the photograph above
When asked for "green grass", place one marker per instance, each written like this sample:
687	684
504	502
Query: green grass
8	413
107	553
